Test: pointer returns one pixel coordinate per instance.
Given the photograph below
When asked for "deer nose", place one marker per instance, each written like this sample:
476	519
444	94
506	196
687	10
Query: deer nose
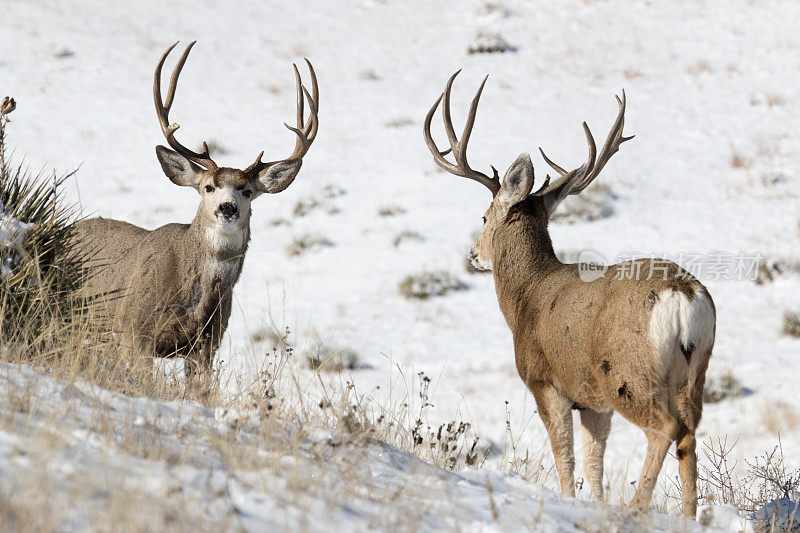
228	210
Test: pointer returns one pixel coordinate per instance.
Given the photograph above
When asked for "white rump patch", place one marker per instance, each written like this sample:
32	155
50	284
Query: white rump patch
679	324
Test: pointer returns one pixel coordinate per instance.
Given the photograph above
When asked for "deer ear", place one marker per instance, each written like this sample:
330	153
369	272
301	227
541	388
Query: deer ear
278	176
178	169
518	181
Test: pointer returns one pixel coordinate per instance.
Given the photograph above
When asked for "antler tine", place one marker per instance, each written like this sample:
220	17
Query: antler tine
577	175
555	167
473	109
300	98
610	147
163	108
582	176
313	100
438	156
448	120
458	147
311	126
305	130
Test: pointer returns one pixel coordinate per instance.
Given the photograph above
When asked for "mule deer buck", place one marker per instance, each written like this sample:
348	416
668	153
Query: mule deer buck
638	345
167	292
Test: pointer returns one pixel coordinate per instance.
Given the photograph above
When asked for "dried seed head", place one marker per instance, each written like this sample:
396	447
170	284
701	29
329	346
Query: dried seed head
7	106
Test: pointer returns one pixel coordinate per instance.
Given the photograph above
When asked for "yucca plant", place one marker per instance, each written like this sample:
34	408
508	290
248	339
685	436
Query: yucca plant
38	272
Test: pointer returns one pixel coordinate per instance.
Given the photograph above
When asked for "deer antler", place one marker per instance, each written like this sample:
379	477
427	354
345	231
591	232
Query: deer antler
162	110
306	132
578	179
458	147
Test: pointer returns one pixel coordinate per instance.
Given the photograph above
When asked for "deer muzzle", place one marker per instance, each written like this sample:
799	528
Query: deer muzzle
228	211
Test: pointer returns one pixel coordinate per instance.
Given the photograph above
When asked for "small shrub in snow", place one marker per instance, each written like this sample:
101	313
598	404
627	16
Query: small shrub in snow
489	43
398	123
494	10
738	159
766	481
770	268
306	243
407	235
368	75
718	388
701	66
305	206
451	444
37	271
279	222
390	211
594	203
430	284
791	324
309	204
766	273
60	52
275	337
331	191
320	356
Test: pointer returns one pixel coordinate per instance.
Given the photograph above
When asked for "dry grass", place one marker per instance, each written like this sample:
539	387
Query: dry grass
766	478
137	463
489	43
738	159
323	357
723	387
701	66
631	73
595	203
307	243
780	417
791	324
427	285
390	211
407	236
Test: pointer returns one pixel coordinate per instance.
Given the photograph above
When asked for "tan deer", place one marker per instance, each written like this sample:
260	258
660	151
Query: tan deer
167	292
639	345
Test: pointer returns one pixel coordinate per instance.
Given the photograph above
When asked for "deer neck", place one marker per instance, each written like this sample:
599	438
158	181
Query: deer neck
221	241
523	257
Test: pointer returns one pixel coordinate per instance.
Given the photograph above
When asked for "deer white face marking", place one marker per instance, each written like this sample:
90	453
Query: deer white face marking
226	193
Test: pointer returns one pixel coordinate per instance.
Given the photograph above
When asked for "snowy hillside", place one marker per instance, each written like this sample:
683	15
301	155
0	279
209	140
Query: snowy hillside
137	464
711	178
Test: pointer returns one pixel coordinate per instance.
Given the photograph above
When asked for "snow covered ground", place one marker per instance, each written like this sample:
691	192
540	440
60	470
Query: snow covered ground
75	456
714	168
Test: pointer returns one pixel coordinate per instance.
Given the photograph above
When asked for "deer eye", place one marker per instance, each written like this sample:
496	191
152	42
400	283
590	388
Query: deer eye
209	188
484	220
247	194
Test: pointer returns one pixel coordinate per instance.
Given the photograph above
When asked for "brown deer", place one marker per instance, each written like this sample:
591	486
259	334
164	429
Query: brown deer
167	292
639	345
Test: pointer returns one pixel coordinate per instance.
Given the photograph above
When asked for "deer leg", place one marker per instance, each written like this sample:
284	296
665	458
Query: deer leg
555	409
596	427
687	469
658	442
